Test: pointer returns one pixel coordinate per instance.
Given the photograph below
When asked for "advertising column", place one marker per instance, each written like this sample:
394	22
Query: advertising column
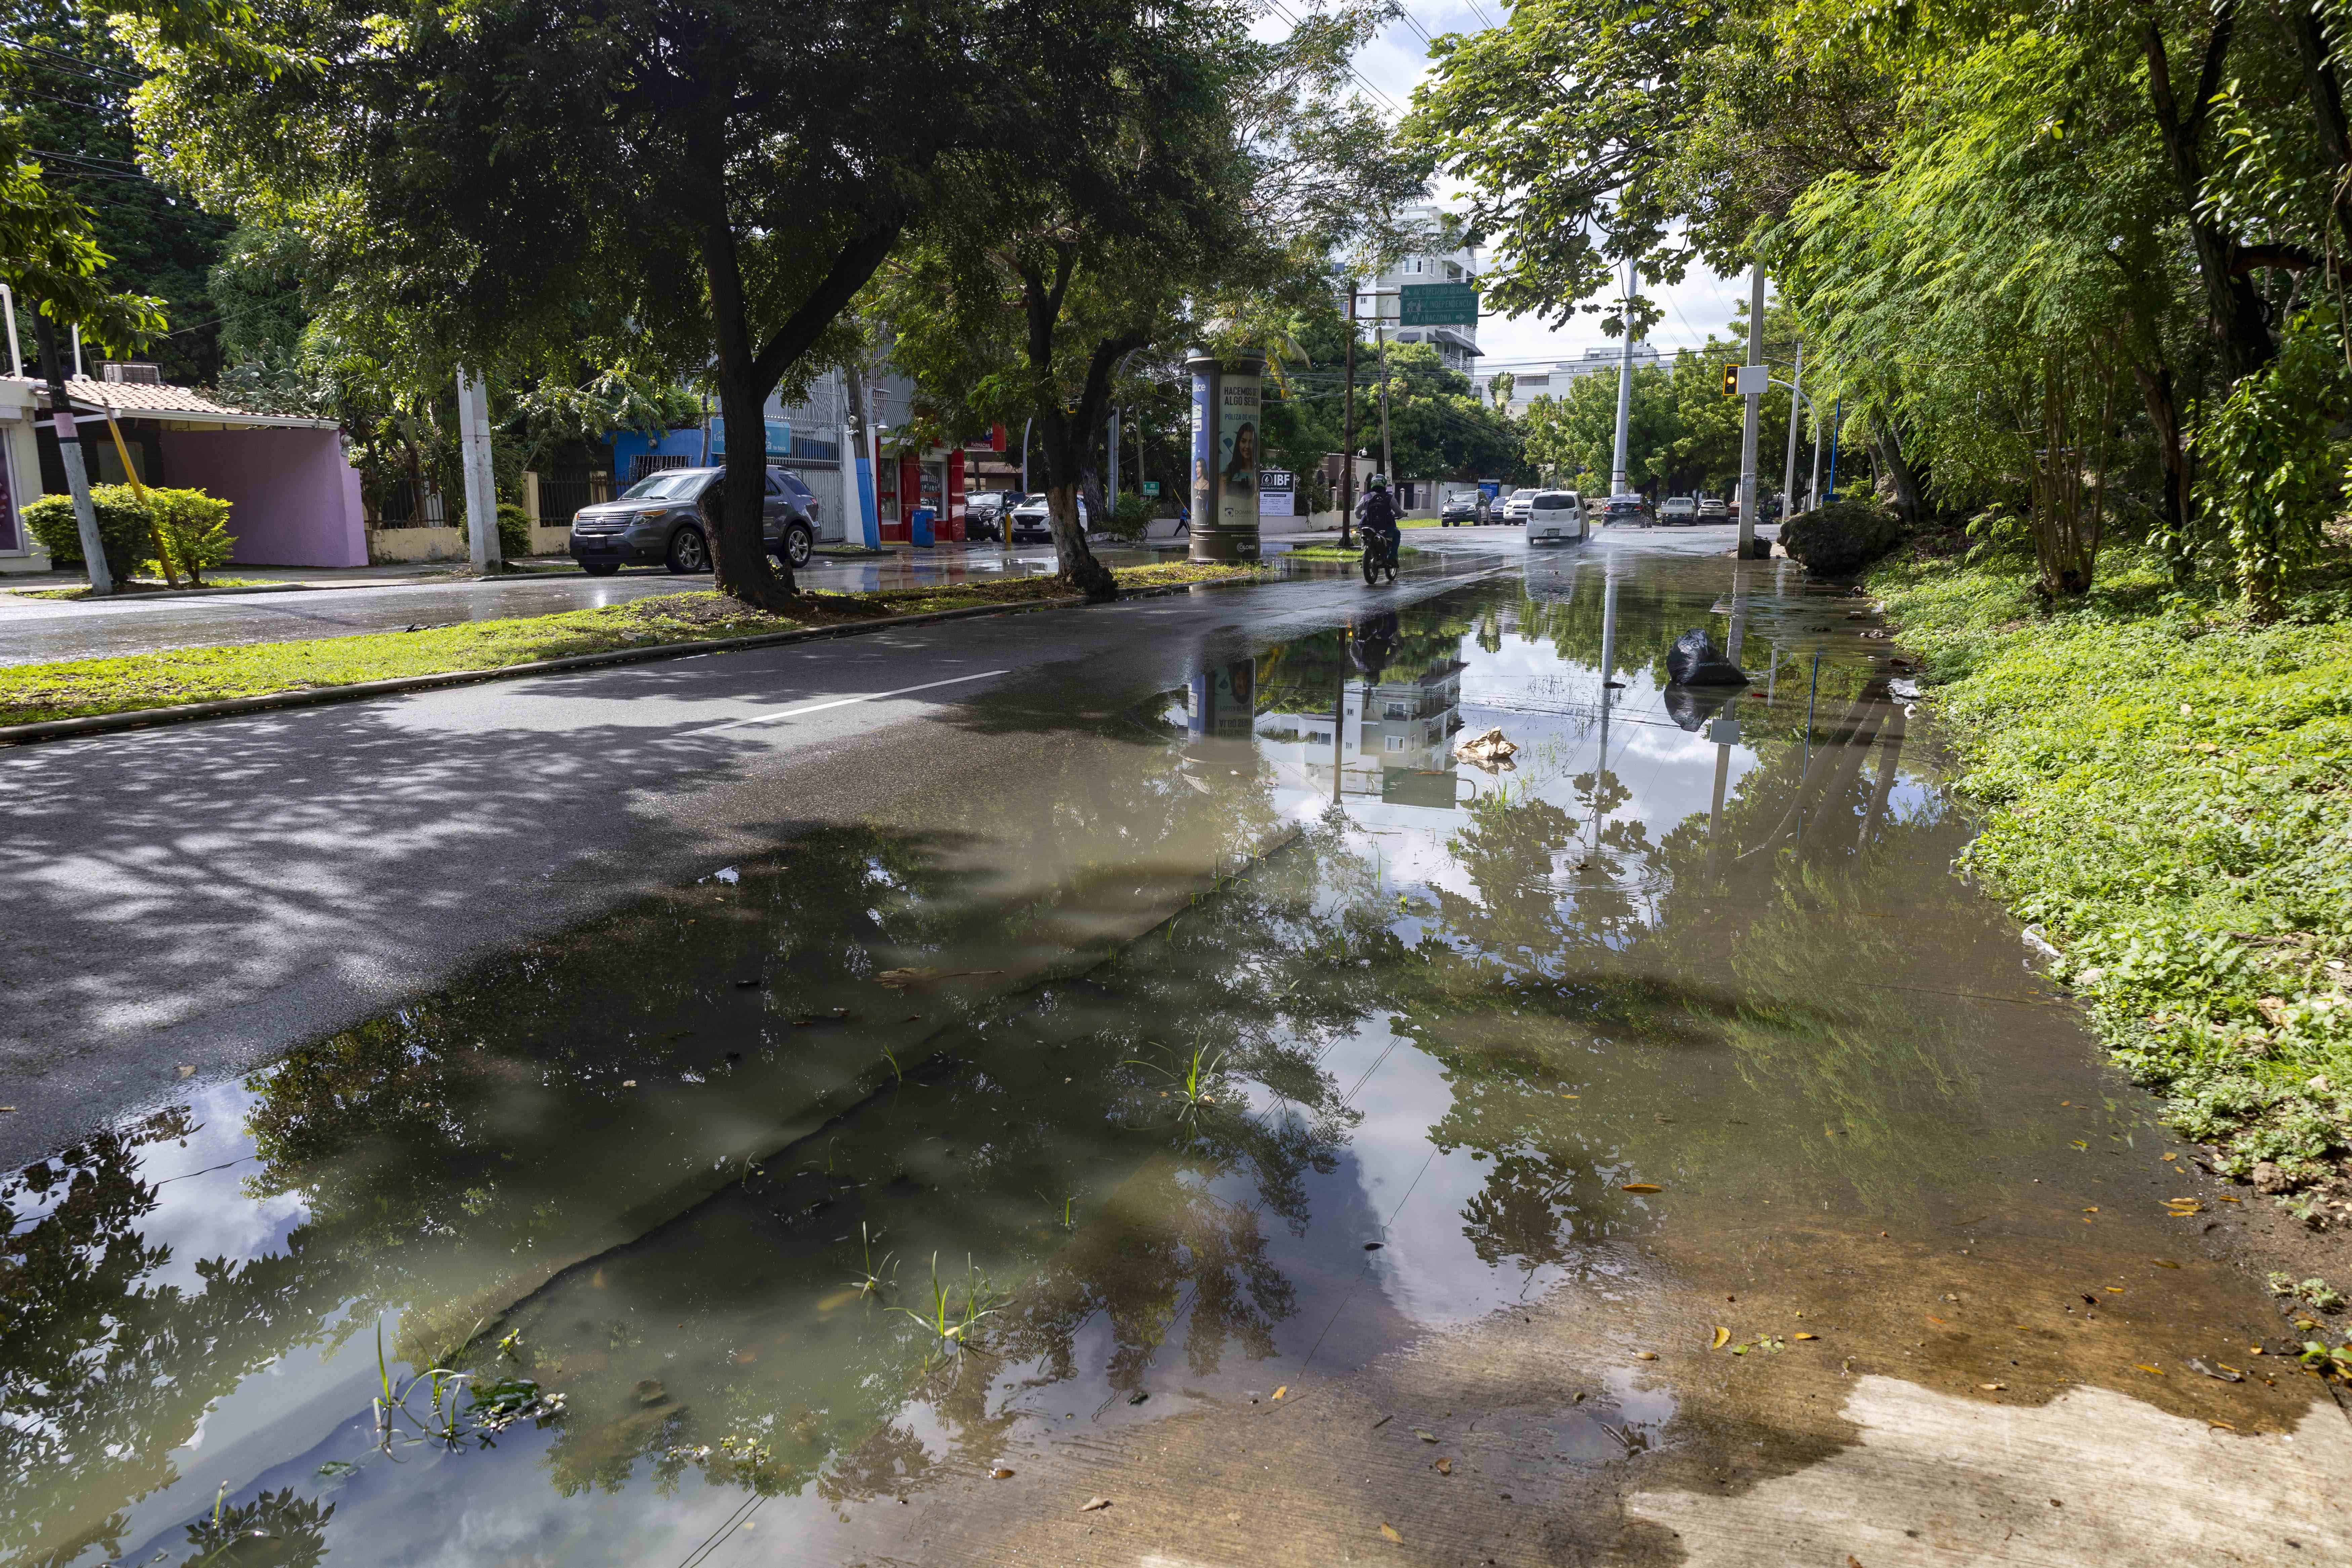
1225	455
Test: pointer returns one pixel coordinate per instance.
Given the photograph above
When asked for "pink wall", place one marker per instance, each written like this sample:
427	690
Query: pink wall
293	501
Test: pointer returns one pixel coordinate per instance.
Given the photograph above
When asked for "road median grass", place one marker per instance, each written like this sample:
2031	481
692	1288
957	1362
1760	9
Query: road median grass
2166	790
36	694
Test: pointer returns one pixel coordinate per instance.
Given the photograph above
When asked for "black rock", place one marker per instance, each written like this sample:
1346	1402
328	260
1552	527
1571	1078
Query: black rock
1696	661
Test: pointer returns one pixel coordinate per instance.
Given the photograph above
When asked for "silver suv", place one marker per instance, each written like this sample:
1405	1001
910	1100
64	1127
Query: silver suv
657	521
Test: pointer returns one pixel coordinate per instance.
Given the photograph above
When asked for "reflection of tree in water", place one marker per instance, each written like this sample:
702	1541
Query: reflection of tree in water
276	1529
102	1372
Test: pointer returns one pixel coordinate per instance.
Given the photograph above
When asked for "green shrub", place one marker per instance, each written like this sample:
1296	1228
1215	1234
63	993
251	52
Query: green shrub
514	531
123	528
1130	517
193	527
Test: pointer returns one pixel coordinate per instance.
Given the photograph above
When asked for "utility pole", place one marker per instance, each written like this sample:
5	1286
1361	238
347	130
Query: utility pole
481	488
1111	472
1789	477
1348	433
1754	377
1618	473
1381	327
1813	486
69	452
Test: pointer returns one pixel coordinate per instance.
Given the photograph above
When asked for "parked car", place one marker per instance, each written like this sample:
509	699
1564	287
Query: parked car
1463	512
1030	524
1714	509
1556	517
1678	510
657	521
1620	512
1514	511
984	512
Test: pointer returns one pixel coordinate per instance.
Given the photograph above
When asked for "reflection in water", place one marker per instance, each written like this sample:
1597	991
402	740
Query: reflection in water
1150	1129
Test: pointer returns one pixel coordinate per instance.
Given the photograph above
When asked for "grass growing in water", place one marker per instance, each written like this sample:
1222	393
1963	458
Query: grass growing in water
2167	789
35	692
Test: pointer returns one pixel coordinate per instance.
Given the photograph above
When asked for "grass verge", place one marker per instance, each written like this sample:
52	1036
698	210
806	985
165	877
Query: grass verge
1333	552
36	693
2168	795
145	586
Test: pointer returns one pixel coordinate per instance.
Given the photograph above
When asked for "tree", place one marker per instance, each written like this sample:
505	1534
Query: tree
1573	439
692	186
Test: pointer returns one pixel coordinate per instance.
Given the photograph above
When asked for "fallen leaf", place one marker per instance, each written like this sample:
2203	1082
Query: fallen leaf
2223	1375
2093	1209
1992	1387
2172	1156
6	1109
2117	1289
628	1083
1283	1390
1093	1504
1645	1355
187	1072
1001	1473
1643	1187
1425	1436
1804	1336
2224	1426
2225	1198
2164	1263
1445	1466
1722	1338
2152	1370
1937	1321
1390	1530
1572	1097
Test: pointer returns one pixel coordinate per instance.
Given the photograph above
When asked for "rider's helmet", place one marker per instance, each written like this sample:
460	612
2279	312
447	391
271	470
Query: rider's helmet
1377	482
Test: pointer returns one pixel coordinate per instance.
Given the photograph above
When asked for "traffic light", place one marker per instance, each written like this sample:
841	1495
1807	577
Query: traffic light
1730	380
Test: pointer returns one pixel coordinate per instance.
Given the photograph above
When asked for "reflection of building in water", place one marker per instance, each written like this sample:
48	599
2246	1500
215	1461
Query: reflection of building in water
1392	740
1220	702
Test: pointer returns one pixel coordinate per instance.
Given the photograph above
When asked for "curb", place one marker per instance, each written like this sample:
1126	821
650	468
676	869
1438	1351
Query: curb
314	697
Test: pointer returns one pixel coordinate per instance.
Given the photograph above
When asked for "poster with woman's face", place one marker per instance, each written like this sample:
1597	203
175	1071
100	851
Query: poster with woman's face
1205	450
1237	450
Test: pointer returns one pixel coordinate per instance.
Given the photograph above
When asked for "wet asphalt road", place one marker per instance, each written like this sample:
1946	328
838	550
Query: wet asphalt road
35	631
209	894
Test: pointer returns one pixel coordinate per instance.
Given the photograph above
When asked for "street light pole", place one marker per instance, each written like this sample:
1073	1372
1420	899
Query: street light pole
1618	474
1347	430
1788	477
1747	431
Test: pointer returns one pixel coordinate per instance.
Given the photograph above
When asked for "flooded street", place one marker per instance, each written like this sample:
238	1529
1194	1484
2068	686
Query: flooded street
1322	1148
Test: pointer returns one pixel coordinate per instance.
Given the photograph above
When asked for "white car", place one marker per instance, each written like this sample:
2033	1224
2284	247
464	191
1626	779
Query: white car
1556	517
1714	509
1515	509
1679	511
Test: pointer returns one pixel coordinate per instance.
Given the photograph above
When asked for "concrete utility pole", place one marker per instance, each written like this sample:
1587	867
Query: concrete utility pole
1388	458
1111	471
481	485
1618	473
1347	434
1796	393
1755	378
69	453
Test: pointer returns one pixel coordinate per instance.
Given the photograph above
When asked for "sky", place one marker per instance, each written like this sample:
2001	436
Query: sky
1699	305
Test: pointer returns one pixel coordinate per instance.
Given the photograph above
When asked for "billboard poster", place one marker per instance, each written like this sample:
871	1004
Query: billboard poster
1204	449
1237	450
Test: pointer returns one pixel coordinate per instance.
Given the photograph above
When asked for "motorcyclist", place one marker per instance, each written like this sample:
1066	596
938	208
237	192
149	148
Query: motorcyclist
1376	514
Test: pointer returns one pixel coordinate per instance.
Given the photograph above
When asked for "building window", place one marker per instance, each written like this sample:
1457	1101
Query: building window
1396	742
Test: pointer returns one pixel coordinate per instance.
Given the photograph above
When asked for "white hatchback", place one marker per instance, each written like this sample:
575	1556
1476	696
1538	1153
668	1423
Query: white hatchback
1556	517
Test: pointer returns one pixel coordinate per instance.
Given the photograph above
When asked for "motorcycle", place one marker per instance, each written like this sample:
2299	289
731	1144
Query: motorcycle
1380	555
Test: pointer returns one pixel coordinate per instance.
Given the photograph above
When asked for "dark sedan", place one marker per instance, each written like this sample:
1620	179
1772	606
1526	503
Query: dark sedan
657	521
1463	512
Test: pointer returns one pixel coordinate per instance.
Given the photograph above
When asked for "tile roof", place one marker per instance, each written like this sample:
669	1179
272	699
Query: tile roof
169	402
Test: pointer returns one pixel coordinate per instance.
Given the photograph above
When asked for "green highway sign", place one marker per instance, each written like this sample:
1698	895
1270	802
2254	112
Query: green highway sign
1437	305
1151	487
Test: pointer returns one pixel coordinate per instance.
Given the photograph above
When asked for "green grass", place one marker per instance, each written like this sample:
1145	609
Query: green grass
146	585
2167	793
1351	555
36	693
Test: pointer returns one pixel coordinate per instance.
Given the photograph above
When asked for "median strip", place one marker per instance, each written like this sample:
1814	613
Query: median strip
83	697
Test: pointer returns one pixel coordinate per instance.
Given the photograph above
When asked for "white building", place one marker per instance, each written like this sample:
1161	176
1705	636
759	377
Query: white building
1457	347
1532	382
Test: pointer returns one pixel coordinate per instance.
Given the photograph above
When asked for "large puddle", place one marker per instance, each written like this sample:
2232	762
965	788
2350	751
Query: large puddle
1256	1038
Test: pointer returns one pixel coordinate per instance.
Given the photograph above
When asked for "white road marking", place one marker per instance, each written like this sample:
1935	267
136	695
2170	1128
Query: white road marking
845	701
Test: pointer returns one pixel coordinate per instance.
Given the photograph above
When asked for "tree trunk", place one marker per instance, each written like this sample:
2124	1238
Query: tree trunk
2172	454
1067	436
2326	106
2233	310
1886	446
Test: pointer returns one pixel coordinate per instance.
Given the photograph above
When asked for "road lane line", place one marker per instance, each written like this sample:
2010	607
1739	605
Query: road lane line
845	701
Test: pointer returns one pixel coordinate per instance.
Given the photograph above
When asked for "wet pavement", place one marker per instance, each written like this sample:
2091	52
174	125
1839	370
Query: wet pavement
1234	1108
35	631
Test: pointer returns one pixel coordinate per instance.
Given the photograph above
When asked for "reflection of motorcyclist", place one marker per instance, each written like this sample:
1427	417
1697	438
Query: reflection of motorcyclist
1371	643
1376	514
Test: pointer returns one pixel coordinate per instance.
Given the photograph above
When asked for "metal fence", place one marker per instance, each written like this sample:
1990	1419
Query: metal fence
564	490
408	505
